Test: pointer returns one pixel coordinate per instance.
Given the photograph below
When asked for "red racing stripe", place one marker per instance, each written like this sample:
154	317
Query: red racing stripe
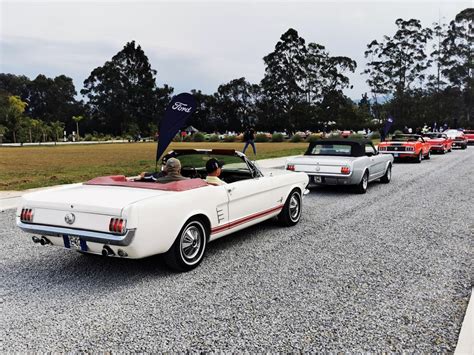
243	220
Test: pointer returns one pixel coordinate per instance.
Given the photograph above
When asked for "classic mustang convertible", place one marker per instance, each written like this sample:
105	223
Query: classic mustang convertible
343	162
116	217
439	142
407	146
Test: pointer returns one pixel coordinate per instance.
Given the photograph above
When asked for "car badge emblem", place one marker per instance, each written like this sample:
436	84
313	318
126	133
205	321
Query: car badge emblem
70	218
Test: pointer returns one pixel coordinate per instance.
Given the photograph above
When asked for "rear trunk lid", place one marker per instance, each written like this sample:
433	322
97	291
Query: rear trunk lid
321	164
92	206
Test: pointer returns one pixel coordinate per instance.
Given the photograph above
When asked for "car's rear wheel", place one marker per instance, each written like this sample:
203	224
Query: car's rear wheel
428	155
388	175
361	188
291	212
464	146
419	158
188	249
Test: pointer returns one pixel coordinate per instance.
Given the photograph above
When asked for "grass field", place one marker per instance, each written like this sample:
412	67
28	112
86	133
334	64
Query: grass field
28	167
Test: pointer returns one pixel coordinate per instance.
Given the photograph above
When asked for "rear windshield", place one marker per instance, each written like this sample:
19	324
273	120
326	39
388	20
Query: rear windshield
331	149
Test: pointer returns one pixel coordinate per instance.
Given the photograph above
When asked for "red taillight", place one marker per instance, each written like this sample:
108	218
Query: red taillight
290	167
345	170
26	215
117	225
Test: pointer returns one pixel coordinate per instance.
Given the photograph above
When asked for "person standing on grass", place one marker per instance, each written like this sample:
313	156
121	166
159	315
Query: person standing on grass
249	138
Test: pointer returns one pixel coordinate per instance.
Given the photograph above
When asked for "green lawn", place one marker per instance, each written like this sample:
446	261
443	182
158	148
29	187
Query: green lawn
28	167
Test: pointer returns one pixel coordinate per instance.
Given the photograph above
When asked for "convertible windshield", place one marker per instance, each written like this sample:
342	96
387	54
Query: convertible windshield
404	138
331	149
198	161
434	135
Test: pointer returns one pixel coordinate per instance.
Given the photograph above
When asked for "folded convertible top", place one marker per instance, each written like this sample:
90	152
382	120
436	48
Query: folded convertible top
120	180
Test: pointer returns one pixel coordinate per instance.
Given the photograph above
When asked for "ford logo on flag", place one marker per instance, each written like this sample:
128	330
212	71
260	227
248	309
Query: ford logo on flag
70	218
179	106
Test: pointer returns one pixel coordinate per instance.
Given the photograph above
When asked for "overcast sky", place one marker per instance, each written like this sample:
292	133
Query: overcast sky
194	44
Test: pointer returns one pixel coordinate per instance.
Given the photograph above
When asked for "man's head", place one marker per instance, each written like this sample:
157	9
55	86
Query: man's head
213	167
173	166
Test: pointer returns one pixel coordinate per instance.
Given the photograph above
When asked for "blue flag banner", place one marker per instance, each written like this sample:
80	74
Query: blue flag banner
388	124
178	111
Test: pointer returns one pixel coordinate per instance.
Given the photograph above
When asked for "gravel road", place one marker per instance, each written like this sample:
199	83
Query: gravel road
387	271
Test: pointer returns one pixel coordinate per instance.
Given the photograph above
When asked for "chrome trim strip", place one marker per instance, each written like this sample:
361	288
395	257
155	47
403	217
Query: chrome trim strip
90	236
410	152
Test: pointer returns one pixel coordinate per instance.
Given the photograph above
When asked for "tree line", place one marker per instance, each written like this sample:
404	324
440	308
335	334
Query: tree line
418	75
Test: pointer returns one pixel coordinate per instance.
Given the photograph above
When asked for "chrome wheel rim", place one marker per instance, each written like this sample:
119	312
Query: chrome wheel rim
365	181
294	207
191	243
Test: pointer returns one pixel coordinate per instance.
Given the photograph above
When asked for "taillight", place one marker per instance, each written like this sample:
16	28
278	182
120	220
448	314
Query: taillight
26	215
117	225
345	170
290	167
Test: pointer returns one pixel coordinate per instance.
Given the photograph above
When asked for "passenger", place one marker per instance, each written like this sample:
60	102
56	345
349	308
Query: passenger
213	168
173	172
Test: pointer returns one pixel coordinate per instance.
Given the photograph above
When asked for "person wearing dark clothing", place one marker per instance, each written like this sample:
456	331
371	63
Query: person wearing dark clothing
173	172
382	134
249	137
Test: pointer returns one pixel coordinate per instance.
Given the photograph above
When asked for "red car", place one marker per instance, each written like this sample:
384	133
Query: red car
439	142
469	133
346	134
407	146
458	137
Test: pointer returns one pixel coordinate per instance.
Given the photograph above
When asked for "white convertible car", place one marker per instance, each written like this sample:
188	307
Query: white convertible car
343	162
116	217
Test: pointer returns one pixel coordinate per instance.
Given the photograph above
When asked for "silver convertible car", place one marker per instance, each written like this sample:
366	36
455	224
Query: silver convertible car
343	162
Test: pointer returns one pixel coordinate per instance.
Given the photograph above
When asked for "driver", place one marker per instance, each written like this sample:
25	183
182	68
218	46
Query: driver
213	168
173	172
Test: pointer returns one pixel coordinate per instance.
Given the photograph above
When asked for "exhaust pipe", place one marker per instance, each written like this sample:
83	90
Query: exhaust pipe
107	251
35	239
122	253
44	241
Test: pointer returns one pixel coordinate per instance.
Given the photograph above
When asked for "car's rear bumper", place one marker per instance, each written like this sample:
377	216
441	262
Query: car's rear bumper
400	154
331	180
90	236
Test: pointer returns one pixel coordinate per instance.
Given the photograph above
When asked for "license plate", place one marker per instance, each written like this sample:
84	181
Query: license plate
395	155
318	179
74	242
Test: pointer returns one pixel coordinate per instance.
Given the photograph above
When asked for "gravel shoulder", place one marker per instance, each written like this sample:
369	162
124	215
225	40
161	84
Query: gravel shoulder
387	271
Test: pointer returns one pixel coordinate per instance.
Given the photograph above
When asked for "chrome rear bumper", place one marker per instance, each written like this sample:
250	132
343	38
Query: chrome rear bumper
90	236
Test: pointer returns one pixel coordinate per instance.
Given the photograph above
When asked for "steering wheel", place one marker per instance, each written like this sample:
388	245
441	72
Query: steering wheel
194	174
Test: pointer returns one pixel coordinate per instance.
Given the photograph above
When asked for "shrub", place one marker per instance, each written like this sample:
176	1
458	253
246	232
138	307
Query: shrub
277	137
356	136
188	138
375	135
214	138
397	132
229	138
88	137
107	137
296	138
198	137
261	138
312	138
